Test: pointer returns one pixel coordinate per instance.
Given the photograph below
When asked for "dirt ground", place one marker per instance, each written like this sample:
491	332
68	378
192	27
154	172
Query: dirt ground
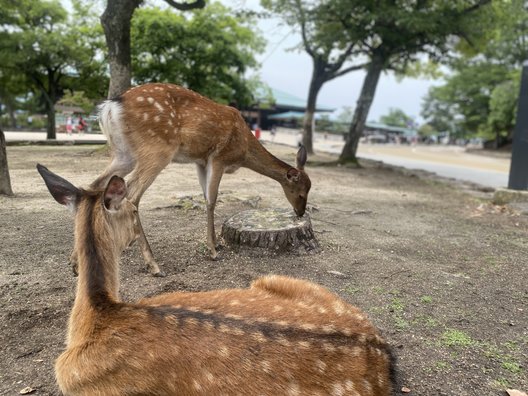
443	273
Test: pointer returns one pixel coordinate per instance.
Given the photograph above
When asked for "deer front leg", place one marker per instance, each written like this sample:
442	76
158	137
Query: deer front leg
214	172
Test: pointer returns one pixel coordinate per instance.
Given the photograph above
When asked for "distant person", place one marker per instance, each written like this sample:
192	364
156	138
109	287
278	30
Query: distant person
256	128
273	131
69	125
81	125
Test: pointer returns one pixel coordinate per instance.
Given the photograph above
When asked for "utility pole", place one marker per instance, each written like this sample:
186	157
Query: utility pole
519	161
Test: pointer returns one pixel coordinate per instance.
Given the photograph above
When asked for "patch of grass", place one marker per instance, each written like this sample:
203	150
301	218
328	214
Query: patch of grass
442	366
426	299
397	305
502	383
350	289
400	323
456	338
431	322
378	290
512	367
511	345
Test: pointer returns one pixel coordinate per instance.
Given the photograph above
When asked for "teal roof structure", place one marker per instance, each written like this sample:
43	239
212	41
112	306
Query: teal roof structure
284	99
291	115
390	128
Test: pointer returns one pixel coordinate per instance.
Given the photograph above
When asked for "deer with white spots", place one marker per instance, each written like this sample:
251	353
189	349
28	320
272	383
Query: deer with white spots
280	336
153	124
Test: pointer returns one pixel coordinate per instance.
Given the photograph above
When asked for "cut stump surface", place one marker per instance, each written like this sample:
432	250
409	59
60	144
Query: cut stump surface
275	230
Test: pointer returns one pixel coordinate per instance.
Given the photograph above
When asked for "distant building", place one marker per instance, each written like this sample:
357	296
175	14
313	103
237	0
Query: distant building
376	132
271	105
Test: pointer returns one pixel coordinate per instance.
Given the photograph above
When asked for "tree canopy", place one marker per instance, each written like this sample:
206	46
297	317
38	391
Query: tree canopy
397	117
48	49
323	40
209	51
392	34
479	96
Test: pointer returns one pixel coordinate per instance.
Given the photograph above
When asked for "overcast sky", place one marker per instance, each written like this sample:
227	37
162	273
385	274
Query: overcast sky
291	71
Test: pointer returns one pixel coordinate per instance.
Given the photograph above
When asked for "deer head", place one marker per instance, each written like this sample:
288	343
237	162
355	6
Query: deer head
298	184
111	208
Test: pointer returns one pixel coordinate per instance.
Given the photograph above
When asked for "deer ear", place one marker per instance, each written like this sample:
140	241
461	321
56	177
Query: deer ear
114	193
302	155
292	175
61	189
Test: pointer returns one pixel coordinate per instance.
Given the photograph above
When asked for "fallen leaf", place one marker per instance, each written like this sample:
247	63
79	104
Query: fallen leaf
515	392
27	390
405	390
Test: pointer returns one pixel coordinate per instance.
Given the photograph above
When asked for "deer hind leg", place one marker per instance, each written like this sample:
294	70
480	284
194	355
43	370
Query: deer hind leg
143	175
202	178
294	289
214	172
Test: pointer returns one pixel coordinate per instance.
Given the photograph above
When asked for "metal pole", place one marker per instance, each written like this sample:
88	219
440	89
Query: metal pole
519	162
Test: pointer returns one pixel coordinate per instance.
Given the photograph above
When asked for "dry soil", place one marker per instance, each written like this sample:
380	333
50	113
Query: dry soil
441	272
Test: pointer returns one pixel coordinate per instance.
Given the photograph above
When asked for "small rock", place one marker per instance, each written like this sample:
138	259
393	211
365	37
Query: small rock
404	389
336	273
27	390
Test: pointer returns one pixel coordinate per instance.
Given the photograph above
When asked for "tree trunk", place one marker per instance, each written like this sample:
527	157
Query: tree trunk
116	21
51	98
5	180
348	155
315	86
12	116
270	231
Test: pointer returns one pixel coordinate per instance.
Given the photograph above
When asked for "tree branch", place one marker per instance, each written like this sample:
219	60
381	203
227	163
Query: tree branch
303	29
348	70
186	6
475	6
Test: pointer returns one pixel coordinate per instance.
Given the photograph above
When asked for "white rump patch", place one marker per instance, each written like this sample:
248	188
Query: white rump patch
111	122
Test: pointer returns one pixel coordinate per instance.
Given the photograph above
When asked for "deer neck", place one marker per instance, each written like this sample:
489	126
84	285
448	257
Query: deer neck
262	161
98	281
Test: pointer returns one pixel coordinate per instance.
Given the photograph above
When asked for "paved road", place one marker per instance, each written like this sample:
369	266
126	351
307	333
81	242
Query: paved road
445	161
448	161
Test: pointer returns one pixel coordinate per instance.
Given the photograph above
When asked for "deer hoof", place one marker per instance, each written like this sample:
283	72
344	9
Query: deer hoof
159	274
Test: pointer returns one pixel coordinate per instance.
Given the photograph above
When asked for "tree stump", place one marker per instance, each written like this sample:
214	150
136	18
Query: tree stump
270	231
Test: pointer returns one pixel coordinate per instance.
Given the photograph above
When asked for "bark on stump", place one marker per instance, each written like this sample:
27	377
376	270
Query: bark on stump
270	231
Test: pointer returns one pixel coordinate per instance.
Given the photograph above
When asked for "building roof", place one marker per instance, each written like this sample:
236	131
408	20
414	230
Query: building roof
289	115
390	128
284	99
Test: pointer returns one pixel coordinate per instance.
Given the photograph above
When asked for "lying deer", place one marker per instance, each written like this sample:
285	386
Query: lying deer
281	336
153	124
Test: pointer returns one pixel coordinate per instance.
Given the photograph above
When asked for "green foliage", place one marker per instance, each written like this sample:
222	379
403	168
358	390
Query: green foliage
77	98
206	50
397	118
48	49
426	130
480	95
456	338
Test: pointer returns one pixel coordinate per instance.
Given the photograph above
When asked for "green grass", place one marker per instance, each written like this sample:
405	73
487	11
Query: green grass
352	289
456	338
426	299
512	367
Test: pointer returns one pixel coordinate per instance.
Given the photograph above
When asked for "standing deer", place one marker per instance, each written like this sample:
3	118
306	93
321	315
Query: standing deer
150	125
281	336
